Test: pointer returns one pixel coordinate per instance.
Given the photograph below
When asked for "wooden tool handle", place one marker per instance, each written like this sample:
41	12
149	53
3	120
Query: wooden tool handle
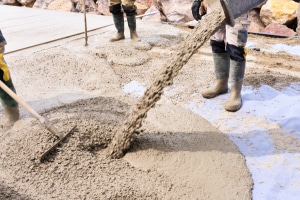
43	120
20	101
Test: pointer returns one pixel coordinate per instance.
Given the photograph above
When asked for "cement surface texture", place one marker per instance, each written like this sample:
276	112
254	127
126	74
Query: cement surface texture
177	154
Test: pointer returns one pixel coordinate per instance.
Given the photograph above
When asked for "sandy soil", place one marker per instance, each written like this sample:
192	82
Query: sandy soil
177	154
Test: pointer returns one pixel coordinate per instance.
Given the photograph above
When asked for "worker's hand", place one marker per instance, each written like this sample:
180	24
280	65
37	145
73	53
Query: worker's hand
195	9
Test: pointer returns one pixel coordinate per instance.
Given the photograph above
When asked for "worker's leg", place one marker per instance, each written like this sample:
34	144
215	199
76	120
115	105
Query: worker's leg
116	10
221	64
130	10
11	110
237	37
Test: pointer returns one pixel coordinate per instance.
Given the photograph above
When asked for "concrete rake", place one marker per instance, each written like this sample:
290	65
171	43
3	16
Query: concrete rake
45	122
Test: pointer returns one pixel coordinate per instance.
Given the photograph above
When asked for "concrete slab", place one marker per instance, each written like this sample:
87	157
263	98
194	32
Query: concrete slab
27	27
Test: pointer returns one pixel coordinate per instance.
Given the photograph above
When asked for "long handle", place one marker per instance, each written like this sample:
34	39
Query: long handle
43	120
20	101
85	25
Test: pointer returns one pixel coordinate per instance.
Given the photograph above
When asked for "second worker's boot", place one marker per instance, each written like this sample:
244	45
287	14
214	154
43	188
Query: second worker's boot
237	70
132	27
221	63
119	24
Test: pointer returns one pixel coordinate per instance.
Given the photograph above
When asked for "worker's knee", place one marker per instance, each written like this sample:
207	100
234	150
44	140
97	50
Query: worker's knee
236	53
217	46
130	10
115	9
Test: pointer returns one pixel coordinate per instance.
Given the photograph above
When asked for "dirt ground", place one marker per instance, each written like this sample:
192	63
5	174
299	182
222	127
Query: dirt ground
177	154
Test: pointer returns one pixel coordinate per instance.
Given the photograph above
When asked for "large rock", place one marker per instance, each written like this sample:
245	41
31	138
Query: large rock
11	3
62	5
147	3
142	6
90	6
278	11
27	3
175	10
256	24
103	7
42	4
279	29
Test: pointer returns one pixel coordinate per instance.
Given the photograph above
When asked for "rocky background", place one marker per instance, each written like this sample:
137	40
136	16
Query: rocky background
273	17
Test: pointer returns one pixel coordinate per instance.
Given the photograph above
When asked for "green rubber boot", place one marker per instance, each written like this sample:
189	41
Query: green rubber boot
5	99
132	27
221	63
119	24
11	110
237	70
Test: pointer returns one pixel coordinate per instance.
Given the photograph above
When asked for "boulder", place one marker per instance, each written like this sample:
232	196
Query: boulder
62	5
103	7
42	4
90	6
279	29
256	24
142	6
176	11
11	3
278	11
147	3
27	3
169	10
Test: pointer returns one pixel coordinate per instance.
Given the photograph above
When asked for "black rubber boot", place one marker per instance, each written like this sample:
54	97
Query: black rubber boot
132	27
221	63
119	24
237	70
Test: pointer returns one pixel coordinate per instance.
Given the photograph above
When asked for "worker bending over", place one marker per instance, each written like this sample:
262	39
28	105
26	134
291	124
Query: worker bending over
11	109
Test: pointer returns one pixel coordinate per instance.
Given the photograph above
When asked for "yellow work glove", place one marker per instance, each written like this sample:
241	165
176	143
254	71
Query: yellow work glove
4	68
